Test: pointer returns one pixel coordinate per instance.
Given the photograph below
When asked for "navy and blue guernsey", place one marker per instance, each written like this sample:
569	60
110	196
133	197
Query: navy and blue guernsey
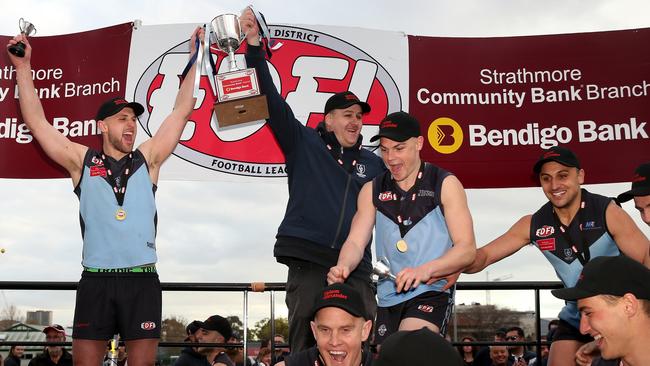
426	235
566	247
108	242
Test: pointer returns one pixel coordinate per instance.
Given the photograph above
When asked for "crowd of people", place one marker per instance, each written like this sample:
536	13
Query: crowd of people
339	194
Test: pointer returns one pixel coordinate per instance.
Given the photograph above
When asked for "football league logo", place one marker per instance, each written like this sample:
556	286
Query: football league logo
307	69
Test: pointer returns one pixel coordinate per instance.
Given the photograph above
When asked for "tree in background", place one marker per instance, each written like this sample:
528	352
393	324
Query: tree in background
481	321
172	330
262	329
9	316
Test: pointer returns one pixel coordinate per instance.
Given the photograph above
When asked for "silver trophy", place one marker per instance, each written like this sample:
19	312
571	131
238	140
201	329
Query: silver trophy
227	36
382	269
239	99
27	29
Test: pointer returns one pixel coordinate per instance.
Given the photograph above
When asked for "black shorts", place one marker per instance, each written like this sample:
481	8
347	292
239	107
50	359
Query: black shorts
567	332
110	303
432	306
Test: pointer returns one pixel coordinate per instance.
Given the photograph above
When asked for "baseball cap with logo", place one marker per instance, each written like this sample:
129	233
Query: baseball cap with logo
218	323
342	296
609	276
558	154
343	100
640	184
55	327
114	105
417	347
398	126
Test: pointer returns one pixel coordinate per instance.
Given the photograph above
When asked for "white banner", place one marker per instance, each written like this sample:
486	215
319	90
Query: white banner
313	63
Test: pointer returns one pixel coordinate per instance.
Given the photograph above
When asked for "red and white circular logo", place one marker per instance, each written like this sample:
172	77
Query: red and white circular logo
148	325
307	69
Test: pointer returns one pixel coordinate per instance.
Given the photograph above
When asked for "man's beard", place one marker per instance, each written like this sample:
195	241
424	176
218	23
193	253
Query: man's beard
55	351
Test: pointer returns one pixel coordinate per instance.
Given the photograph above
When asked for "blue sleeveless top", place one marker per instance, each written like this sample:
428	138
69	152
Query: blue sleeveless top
108	242
427	236
588	228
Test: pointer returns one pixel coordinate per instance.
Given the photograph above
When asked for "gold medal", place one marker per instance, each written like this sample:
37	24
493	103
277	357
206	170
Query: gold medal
120	214
401	245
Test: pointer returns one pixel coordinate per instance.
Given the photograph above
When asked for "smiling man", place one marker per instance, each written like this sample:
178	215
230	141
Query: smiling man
571	229
613	295
423	227
340	327
119	290
326	168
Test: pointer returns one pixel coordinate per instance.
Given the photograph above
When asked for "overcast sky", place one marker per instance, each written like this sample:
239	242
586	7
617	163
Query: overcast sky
224	232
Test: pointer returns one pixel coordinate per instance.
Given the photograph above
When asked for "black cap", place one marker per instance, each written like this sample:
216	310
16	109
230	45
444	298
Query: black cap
417	347
114	105
193	327
609	276
558	154
341	296
218	323
398	126
343	100
640	184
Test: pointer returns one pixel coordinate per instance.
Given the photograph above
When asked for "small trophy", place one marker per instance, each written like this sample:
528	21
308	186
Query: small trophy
238	92
27	29
382	269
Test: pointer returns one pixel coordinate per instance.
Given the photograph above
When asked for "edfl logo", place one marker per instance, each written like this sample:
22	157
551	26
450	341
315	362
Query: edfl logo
445	135
309	68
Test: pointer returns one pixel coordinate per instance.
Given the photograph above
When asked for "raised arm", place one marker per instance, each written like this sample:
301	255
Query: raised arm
627	235
158	148
359	236
283	123
59	148
461	232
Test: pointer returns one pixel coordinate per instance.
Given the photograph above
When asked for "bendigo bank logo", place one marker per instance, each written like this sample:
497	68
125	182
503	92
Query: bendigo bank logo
445	135
307	69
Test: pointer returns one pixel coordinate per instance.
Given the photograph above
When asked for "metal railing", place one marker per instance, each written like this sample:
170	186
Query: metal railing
272	287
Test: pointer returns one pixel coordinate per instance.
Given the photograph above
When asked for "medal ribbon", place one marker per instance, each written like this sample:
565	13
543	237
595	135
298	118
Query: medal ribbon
406	203
119	189
581	252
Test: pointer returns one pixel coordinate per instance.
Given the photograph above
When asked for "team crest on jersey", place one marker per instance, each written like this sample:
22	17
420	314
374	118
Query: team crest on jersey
568	254
308	68
545	231
386	196
361	170
382	330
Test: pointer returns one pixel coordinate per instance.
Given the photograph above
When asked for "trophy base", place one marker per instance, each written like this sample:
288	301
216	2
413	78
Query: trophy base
243	110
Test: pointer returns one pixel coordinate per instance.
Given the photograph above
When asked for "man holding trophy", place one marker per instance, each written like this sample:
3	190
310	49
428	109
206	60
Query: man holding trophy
423	231
327	167
119	291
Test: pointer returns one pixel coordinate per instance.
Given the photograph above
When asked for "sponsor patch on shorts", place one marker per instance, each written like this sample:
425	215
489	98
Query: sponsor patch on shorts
148	325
